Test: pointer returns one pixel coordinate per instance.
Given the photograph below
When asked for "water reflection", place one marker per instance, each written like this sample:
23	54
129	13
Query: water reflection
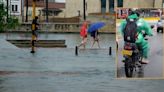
141	72
1	84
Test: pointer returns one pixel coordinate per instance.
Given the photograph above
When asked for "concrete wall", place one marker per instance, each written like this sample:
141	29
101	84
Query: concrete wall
72	7
142	3
146	3
94	6
158	3
130	3
61	15
30	12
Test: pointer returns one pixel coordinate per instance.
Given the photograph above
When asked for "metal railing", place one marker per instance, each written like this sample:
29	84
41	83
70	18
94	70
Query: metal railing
53	27
62	27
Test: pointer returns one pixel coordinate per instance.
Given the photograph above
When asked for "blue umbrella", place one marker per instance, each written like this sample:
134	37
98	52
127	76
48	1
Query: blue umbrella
96	26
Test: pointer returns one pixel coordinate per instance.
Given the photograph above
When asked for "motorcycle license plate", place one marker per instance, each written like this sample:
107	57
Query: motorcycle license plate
127	52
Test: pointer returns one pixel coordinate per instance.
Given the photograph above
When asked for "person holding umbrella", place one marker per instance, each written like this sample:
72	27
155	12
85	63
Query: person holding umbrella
93	30
83	34
95	36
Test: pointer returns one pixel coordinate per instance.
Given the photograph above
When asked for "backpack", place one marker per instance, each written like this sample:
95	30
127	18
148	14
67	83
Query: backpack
130	31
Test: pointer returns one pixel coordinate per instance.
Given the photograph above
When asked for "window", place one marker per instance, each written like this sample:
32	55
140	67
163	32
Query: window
30	13
111	6
103	6
14	8
119	3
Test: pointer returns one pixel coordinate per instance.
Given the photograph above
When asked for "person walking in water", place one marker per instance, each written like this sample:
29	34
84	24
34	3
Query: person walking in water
95	36
83	34
35	21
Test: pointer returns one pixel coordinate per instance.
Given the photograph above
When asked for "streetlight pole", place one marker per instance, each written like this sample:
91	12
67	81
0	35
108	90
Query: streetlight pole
162	7
26	11
7	10
84	10
22	10
46	10
33	26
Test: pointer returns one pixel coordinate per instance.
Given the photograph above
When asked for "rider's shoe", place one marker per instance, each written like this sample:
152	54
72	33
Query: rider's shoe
145	61
138	64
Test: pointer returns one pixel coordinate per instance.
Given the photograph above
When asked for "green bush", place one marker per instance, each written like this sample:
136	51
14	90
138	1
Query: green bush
3	13
12	21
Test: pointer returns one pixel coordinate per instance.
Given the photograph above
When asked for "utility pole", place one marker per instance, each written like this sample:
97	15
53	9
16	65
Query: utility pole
22	10
84	10
7	10
26	11
33	26
162	7
46	10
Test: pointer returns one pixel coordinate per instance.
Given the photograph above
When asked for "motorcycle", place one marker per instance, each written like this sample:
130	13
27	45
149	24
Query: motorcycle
132	58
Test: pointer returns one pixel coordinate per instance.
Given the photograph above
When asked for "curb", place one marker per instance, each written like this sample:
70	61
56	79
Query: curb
52	32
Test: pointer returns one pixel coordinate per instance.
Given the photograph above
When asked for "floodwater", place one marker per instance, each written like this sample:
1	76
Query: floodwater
59	70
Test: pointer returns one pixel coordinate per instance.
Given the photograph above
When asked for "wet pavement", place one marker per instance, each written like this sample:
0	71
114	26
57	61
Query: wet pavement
52	70
155	67
59	70
71	39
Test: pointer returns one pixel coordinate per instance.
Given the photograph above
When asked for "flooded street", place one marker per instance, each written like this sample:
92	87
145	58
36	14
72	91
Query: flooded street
72	40
59	70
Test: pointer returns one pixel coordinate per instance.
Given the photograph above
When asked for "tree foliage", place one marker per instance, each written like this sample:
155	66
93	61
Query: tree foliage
12	21
3	13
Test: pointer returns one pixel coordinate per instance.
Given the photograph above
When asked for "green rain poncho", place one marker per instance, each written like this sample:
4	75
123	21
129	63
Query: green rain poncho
142	26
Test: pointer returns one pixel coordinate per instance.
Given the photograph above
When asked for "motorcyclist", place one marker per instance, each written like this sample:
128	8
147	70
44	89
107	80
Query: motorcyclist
142	26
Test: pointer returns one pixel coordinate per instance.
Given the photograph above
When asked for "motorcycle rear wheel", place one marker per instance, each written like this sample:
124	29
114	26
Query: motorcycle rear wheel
129	69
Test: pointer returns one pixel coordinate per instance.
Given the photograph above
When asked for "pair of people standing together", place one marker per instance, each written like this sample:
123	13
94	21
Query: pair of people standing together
83	34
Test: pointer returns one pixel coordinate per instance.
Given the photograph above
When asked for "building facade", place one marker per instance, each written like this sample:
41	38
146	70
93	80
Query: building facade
75	7
54	9
72	8
142	3
15	7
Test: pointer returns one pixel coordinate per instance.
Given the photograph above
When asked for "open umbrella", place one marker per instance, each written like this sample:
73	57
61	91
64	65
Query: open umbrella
96	26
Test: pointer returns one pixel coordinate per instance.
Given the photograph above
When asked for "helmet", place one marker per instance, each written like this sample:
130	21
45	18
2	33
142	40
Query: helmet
134	11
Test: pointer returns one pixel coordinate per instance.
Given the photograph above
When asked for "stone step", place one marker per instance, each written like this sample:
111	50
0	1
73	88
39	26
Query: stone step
39	43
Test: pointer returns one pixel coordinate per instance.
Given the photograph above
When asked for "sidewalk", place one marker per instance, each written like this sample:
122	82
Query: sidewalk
6	45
